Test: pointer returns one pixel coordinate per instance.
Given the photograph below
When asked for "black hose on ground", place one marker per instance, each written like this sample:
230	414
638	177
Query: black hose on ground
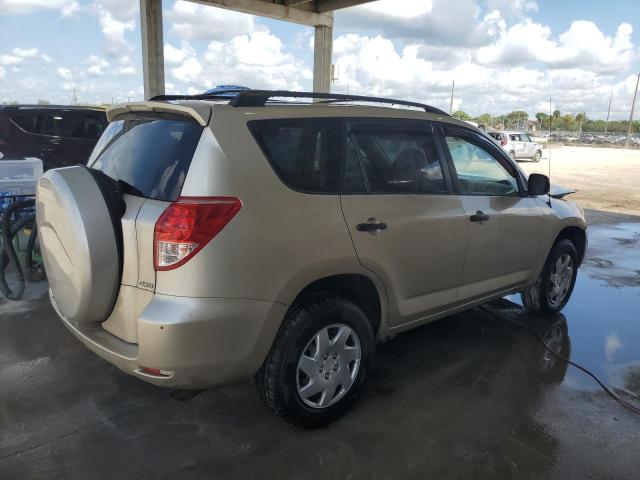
8	253
604	387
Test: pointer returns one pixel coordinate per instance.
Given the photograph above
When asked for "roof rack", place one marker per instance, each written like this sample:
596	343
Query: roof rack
259	98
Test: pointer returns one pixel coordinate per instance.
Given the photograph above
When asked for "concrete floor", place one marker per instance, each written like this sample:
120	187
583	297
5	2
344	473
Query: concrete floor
472	396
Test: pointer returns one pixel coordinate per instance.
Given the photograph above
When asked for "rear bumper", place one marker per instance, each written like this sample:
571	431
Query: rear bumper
199	342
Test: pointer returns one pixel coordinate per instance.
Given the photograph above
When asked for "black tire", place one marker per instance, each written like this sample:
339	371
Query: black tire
538	156
512	154
537	298
276	381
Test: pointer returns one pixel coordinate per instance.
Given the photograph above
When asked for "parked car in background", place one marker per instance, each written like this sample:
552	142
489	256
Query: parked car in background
211	240
58	135
518	145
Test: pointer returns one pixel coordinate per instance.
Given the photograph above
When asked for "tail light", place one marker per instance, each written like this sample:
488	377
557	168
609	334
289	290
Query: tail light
187	225
503	140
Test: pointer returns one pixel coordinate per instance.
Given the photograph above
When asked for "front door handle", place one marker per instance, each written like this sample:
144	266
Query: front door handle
371	226
479	216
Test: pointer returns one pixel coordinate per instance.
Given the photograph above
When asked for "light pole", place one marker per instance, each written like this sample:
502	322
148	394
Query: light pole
453	84
606	125
633	104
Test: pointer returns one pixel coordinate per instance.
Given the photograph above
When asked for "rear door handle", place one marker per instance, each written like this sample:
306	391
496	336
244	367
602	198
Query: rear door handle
479	216
371	226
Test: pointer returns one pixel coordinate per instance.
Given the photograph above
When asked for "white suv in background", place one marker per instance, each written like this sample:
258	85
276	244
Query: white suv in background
518	145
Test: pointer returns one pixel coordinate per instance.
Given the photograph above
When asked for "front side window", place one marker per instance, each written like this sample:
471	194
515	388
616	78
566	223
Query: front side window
301	152
478	171
396	157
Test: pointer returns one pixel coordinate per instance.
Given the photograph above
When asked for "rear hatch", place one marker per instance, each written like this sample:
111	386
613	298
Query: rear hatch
149	153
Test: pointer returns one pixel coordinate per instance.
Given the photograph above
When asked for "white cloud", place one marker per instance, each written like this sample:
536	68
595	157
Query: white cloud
582	46
64	73
174	55
96	66
22	7
8	60
434	22
188	71
2	73
25	52
190	21
258	60
114	31
512	7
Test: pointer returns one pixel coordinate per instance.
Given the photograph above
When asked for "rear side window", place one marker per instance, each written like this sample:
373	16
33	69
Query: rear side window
28	123
397	156
301	152
149	153
68	124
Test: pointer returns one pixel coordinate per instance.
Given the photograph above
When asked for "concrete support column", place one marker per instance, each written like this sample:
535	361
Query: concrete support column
322	49
152	47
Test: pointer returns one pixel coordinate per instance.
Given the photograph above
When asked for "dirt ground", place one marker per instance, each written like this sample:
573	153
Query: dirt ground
605	178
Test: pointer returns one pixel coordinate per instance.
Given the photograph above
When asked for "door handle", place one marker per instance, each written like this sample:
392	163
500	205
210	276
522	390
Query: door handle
371	226
479	216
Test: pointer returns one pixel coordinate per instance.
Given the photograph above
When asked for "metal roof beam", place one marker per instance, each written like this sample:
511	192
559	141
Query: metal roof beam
274	10
331	5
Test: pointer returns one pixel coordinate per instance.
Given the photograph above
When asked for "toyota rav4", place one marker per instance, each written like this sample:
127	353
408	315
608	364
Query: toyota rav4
212	240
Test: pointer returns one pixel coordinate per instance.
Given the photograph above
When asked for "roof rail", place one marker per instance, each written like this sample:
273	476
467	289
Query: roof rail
259	98
218	95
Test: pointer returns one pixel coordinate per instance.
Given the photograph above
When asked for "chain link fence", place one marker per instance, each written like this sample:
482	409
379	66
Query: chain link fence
610	139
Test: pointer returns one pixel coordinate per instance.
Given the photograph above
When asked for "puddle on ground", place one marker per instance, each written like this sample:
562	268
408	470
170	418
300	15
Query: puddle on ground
603	315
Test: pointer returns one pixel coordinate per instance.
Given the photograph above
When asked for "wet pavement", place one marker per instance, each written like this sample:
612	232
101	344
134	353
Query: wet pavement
471	396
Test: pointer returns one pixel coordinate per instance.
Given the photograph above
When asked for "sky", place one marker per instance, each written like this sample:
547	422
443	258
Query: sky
503	55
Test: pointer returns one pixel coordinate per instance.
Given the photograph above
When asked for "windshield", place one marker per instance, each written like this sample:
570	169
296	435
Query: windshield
149	153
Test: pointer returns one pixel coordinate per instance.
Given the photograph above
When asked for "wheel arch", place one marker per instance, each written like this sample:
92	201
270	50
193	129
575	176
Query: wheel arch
578	237
358	288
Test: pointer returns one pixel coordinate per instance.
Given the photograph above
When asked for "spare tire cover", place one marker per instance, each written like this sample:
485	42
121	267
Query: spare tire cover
79	244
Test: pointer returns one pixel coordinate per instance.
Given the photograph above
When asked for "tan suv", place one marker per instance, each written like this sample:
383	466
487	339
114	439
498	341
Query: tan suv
210	240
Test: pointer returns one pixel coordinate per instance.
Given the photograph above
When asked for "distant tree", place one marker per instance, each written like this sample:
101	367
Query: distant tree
543	120
555	118
567	120
43	102
580	118
461	115
484	119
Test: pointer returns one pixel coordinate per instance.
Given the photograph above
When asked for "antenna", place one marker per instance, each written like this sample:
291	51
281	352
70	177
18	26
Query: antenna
549	151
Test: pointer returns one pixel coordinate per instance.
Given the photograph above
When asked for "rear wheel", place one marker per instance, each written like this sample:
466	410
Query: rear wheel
318	362
512	154
552	290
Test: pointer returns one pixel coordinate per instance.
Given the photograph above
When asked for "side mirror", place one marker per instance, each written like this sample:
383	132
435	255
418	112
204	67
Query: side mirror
538	184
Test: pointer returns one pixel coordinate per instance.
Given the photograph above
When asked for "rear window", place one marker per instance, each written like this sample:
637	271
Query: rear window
300	152
149	153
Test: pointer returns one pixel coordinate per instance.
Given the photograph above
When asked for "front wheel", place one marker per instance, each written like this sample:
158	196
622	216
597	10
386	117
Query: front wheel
538	156
318	362
552	290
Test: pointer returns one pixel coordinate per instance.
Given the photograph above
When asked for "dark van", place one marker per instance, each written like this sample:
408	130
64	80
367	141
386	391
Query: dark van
59	135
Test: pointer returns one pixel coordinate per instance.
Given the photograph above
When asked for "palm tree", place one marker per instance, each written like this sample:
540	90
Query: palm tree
556	115
580	117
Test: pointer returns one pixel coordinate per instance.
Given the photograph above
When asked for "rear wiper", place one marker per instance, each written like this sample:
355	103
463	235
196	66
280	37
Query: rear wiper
128	188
